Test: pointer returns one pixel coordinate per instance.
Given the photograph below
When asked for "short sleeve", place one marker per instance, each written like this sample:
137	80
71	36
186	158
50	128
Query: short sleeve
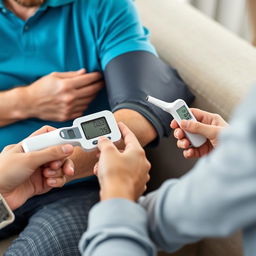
120	30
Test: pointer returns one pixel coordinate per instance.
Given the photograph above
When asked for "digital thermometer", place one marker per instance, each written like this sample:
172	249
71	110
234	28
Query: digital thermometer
180	111
85	132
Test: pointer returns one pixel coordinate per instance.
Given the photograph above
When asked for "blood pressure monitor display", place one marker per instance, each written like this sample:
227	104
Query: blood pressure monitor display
95	128
183	113
85	133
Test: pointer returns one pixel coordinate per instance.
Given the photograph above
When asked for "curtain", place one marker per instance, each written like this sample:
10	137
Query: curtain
233	14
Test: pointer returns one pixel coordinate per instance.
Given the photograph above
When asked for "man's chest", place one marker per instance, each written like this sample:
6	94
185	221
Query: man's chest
32	49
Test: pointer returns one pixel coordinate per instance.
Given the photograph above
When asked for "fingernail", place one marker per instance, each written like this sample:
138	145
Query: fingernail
58	164
51	172
67	149
72	171
102	138
176	133
52	181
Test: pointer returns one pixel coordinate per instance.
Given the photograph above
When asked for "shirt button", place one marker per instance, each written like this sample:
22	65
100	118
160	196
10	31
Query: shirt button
4	11
26	28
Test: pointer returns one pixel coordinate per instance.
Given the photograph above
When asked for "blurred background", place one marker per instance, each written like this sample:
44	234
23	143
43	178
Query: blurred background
238	16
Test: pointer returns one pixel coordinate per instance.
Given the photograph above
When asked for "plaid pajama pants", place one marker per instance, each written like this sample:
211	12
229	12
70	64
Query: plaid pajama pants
52	224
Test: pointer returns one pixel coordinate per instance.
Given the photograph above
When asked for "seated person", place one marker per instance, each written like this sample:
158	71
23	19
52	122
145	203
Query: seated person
214	199
43	43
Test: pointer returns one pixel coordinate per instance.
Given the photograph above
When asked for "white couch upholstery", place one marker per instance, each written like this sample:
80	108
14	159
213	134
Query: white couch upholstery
218	67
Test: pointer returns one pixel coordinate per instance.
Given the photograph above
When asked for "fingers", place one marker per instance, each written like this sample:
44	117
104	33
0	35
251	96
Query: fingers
90	90
209	131
57	177
174	124
202	116
179	134
69	74
39	158
183	144
191	153
42	130
96	168
86	79
9	147
105	144
130	139
68	168
56	182
59	168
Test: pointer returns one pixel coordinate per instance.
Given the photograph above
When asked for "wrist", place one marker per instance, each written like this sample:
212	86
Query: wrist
21	98
117	190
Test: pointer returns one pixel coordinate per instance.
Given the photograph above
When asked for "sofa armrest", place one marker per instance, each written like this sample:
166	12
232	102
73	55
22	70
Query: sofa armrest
218	66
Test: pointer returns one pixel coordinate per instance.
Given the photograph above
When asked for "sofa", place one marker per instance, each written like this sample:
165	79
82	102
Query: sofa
218	67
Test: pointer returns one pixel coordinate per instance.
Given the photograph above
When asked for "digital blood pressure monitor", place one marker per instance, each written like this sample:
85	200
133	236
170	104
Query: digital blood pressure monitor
85	132
180	111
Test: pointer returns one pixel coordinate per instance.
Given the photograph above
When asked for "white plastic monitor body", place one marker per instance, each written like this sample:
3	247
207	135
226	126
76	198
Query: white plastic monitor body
85	133
180	111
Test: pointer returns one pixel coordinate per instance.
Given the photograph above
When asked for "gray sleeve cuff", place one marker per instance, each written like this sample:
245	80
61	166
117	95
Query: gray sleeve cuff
122	210
116	219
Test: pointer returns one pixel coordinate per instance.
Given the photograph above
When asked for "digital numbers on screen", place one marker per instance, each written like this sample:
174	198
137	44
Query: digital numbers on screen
183	113
95	128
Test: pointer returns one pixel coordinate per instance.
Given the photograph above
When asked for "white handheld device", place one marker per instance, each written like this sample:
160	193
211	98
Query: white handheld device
85	132
180	111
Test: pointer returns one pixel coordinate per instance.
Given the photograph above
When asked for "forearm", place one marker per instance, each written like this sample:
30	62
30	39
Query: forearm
13	106
139	125
117	236
84	163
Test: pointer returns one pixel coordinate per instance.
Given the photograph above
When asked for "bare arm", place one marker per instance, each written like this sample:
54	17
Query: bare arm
13	106
139	125
55	97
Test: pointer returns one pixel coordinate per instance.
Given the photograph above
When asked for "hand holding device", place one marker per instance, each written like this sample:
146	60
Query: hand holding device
62	96
84	132
122	174
180	111
21	174
208	125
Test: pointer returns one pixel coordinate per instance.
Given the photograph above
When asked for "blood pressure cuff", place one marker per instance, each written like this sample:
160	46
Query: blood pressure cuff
132	76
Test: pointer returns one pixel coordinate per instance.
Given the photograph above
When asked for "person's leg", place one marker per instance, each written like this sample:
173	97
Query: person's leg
56	228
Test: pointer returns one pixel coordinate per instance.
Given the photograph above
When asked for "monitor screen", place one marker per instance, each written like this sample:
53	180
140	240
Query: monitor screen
183	113
95	128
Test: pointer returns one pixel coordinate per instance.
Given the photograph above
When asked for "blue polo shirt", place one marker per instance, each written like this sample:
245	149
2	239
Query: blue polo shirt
64	35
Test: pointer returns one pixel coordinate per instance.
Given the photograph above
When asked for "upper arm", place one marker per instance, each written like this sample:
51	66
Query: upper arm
120	30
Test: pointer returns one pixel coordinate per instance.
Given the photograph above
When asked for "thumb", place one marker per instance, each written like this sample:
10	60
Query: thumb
208	131
39	158
105	144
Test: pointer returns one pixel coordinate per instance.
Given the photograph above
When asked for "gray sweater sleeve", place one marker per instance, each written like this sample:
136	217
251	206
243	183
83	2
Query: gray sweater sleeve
117	227
217	197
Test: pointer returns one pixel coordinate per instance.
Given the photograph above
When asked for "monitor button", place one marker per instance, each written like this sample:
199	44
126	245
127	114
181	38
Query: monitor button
95	142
